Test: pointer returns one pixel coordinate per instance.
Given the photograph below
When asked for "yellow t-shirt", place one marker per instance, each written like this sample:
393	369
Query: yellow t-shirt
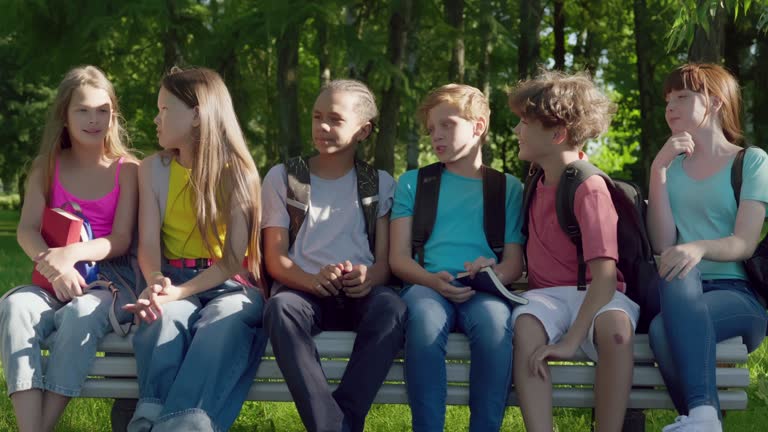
181	237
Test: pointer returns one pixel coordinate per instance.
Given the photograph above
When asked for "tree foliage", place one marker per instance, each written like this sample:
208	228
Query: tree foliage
275	55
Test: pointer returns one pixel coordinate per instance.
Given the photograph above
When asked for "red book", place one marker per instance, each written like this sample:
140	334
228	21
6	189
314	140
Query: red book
58	228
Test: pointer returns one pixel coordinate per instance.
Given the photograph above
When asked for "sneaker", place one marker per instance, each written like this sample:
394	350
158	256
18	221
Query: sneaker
687	424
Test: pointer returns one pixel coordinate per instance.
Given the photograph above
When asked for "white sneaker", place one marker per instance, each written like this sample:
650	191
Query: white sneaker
687	424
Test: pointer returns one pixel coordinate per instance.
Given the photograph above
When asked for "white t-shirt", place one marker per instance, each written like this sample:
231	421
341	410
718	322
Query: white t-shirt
334	229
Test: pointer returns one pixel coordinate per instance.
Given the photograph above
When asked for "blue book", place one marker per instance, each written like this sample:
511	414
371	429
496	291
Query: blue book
486	281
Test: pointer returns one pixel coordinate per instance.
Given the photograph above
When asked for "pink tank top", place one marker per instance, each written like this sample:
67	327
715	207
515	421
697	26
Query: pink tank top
100	212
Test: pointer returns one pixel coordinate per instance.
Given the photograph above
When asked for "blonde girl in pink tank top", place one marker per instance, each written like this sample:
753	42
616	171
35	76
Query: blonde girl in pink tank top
83	159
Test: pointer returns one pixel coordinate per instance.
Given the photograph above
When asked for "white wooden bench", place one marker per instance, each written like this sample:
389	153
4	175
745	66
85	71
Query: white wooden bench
115	377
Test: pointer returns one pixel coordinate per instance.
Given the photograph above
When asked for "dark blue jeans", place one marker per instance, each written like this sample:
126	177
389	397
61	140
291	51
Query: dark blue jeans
292	317
695	315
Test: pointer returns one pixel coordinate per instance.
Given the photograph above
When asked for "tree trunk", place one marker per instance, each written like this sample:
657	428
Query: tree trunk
486	45
531	13
274	151
355	19
413	134
559	32
708	47
484	69
454	16
760	93
398	36
171	50
646	88
288	91
323	57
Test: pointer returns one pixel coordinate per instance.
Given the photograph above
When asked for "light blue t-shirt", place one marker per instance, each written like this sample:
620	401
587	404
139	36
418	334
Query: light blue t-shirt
706	209
458	234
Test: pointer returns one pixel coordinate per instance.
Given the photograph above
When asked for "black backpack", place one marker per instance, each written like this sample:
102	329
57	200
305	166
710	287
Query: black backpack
425	208
298	191
636	261
297	181
756	266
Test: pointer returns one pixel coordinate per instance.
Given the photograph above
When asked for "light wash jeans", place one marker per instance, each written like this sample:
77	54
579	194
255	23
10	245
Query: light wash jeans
695	316
197	362
486	320
29	316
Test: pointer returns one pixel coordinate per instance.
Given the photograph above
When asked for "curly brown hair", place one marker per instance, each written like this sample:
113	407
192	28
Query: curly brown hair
559	99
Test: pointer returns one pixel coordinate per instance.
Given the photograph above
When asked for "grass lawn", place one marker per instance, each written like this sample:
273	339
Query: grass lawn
93	414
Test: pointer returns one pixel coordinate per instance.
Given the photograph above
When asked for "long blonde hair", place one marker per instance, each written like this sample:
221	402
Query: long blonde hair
56	136
223	172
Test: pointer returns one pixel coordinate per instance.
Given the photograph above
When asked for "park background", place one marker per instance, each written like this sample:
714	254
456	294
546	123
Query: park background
275	54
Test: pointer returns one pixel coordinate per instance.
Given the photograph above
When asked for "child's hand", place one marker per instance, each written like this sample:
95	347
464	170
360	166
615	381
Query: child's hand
355	280
475	266
148	306
327	281
537	362
54	262
68	285
680	259
452	293
678	143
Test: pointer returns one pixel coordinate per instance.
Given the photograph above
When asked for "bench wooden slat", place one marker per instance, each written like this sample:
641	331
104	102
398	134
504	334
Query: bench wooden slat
339	345
395	394
456	372
115	376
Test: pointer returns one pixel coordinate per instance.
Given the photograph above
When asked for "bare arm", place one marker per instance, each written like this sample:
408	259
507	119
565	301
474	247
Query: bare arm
150	252
288	273
601	291
681	259
357	280
661	224
28	230
511	266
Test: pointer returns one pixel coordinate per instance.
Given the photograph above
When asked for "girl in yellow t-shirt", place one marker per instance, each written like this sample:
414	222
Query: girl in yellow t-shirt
200	341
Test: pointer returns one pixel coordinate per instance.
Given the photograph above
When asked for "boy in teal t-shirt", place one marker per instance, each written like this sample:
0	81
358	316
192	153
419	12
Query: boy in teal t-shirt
456	117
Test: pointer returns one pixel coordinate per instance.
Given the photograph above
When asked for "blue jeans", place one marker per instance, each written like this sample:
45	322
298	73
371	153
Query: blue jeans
486	320
197	362
695	315
29	316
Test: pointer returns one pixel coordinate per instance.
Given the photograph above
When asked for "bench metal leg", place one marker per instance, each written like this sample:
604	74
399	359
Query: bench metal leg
634	421
122	411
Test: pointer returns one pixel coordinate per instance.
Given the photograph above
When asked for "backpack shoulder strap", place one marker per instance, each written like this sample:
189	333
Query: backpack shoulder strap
494	209
425	208
297	194
529	189
161	176
574	175
737	173
368	194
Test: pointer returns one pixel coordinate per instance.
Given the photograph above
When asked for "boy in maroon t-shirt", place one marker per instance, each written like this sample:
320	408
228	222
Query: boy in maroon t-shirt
558	114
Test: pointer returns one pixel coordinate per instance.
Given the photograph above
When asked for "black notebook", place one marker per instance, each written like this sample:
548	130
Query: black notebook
486	281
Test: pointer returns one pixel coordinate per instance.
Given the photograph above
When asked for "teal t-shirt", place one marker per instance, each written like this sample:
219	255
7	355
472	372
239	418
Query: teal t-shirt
706	209
458	234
